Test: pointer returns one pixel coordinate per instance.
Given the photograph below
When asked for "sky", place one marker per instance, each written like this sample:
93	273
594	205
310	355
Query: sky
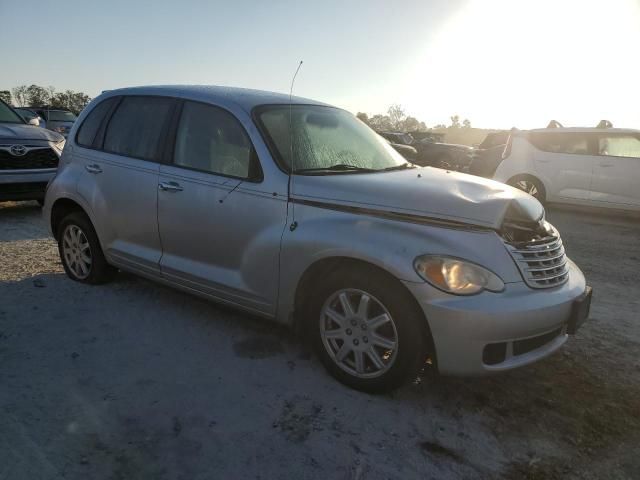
499	63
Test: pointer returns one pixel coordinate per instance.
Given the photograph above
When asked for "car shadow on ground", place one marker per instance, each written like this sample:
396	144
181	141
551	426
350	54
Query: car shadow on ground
21	221
136	346
135	378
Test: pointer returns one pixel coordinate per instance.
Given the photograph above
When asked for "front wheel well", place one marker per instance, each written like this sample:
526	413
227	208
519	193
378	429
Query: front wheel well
60	209
321	268
531	178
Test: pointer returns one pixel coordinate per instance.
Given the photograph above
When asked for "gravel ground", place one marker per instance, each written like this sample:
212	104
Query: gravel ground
133	380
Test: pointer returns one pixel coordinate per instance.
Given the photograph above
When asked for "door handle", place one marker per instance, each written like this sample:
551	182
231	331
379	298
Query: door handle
170	187
93	168
606	165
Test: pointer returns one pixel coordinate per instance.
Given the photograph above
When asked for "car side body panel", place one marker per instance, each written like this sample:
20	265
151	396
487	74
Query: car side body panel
323	233
249	243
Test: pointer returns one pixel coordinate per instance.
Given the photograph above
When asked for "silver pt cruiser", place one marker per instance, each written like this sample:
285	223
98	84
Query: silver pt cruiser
296	211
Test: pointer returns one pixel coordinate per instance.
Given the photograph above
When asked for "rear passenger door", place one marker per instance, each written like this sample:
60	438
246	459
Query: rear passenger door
565	162
617	170
120	177
220	228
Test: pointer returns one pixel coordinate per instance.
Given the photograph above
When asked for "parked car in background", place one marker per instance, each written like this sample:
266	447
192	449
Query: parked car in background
56	119
398	138
30	117
296	211
407	151
29	157
488	154
430	135
433	153
443	155
583	166
401	142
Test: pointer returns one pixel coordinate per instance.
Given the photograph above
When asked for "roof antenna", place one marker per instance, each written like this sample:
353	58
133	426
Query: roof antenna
292	168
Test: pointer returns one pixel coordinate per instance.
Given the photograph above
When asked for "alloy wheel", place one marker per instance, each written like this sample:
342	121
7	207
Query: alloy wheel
528	187
358	333
76	251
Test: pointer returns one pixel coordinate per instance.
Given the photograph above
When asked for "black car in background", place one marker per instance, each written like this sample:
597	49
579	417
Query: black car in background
488	155
58	120
401	142
444	155
431	151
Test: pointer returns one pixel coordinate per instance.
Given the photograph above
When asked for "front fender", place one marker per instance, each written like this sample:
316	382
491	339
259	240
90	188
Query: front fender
391	245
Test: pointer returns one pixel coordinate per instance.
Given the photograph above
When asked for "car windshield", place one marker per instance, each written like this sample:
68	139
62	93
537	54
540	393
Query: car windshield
325	140
7	115
26	114
61	116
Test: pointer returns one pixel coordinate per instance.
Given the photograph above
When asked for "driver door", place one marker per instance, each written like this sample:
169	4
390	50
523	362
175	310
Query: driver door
220	228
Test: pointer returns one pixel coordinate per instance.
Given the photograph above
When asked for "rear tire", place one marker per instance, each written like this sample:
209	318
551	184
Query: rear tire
373	345
80	250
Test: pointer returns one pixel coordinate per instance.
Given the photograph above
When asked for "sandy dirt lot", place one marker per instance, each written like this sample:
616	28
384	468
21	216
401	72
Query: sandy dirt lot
132	380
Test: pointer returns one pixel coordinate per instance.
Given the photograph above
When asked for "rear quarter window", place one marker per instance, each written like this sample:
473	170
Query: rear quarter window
87	133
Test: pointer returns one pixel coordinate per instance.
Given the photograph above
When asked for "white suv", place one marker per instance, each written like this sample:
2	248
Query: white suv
587	166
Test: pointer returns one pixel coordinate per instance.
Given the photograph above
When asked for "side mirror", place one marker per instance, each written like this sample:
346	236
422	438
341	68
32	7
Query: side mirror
34	121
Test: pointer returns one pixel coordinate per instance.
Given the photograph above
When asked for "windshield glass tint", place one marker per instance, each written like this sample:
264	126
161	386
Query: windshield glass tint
324	137
60	116
7	115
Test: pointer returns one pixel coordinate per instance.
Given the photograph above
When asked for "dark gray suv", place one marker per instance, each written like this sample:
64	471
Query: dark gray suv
29	157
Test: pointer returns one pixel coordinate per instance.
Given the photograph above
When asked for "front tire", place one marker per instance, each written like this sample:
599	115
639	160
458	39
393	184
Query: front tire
80	251
530	185
366	329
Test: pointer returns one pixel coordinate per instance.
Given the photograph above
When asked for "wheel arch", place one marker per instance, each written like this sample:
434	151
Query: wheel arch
321	267
60	209
530	177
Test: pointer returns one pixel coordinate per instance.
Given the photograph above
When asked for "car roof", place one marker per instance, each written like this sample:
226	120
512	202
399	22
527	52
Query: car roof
246	98
583	130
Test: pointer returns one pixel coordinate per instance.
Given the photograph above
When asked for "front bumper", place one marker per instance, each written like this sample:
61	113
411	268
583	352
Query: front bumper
530	324
24	184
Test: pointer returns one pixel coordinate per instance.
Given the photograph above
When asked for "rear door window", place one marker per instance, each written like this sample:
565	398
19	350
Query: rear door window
136	127
619	146
560	142
91	124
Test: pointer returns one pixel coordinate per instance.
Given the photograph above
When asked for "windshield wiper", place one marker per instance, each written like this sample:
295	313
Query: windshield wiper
340	167
402	166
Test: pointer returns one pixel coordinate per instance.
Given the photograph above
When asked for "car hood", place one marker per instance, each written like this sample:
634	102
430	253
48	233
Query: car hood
13	132
421	193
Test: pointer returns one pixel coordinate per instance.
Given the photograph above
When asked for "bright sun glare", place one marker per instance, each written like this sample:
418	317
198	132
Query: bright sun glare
505	63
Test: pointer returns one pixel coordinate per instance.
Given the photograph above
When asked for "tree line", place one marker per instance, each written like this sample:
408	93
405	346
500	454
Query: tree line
396	120
36	96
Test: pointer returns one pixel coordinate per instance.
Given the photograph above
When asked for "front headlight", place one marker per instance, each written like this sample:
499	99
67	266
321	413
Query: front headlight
457	276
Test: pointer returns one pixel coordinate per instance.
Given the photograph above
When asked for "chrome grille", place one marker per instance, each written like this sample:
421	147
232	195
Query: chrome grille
542	262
